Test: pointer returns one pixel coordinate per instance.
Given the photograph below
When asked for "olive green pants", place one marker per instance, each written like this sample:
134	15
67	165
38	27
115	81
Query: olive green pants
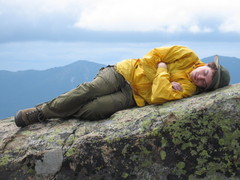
107	93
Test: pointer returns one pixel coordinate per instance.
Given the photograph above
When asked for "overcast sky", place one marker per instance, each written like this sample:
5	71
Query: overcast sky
39	34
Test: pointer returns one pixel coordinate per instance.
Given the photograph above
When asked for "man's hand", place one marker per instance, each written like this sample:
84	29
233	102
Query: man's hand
176	86
162	65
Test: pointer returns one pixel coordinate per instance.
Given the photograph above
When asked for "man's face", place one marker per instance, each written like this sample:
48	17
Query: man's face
202	76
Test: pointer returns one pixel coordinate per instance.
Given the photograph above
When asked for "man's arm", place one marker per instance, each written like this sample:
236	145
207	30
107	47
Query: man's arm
163	90
175	85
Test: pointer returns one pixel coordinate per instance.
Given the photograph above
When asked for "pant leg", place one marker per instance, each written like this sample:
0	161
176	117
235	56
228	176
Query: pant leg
104	106
106	82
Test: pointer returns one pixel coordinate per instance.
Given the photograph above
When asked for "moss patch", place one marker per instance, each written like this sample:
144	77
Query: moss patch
203	145
70	152
4	160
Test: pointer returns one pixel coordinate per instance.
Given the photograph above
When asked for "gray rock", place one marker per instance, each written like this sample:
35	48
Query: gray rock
50	164
196	137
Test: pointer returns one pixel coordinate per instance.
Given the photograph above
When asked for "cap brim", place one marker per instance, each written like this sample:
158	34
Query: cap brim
216	61
217	74
216	77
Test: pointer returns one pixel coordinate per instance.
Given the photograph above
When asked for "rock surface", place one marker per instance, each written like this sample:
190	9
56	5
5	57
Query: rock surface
196	137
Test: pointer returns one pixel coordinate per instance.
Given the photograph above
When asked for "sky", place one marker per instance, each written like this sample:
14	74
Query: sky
42	34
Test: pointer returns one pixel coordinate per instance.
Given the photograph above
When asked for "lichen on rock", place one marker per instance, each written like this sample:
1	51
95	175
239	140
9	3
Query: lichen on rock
196	137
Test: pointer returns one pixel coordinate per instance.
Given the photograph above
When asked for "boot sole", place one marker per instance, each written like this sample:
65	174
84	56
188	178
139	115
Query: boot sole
18	119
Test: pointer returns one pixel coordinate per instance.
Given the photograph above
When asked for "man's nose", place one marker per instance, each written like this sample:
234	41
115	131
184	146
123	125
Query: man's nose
200	77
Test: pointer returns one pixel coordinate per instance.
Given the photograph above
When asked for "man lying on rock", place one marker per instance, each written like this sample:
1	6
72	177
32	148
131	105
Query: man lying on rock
164	74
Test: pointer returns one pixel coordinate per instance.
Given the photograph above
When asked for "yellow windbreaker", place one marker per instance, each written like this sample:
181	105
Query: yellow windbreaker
152	85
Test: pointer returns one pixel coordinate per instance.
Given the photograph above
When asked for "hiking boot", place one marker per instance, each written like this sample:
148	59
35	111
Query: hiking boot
29	116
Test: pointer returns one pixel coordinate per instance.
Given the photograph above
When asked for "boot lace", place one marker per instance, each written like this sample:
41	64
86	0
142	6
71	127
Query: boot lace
35	115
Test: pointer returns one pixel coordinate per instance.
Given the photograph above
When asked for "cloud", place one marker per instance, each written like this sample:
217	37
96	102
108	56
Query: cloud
231	25
118	20
160	15
37	20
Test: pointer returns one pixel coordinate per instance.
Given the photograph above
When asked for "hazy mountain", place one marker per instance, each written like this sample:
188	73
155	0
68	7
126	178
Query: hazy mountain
25	89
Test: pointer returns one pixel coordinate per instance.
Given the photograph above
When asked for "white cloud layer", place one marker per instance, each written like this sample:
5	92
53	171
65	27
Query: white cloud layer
195	16
161	15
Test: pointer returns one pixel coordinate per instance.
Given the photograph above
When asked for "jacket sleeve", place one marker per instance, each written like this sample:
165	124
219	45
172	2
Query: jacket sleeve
162	90
150	61
155	56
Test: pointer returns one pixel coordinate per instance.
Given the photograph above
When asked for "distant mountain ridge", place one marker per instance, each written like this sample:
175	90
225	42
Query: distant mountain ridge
25	89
